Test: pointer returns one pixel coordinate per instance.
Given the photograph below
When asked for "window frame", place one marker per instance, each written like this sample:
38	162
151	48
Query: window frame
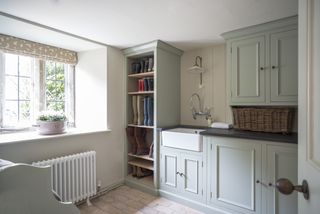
38	80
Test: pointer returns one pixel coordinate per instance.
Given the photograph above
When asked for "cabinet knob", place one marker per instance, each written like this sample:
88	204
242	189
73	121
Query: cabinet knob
261	68
270	184
258	182
273	67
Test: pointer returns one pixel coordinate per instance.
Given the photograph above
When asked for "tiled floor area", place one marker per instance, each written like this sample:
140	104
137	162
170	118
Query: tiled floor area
125	200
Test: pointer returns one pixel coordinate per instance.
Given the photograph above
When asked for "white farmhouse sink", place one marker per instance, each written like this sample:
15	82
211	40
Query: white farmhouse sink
183	138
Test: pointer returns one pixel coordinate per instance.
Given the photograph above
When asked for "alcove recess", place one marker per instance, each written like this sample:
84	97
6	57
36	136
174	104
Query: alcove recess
161	87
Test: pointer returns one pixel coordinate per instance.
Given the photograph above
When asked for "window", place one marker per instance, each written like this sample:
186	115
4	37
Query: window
18	89
30	85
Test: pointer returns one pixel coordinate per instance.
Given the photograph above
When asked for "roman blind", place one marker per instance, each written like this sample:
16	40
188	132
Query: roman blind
14	45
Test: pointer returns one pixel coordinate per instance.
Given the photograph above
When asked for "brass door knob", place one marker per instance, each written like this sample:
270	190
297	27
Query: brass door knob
286	187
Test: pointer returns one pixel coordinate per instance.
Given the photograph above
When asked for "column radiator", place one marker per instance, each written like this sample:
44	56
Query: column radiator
73	177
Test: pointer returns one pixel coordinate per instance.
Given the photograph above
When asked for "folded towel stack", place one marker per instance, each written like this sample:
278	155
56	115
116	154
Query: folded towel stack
220	125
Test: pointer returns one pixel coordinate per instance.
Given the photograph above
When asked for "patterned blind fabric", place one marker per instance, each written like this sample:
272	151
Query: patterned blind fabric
14	45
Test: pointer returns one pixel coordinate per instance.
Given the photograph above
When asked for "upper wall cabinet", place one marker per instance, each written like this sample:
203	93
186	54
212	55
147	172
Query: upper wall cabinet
262	64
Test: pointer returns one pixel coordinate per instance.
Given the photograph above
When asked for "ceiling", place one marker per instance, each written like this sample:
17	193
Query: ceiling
186	24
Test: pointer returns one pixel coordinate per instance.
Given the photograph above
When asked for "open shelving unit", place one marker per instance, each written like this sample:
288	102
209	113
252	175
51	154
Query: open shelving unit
165	74
144	157
140	92
143	163
141	126
139	75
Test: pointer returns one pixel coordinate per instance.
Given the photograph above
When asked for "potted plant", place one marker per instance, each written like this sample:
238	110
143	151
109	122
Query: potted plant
51	122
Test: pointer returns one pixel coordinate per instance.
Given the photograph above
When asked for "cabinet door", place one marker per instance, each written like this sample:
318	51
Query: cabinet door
284	66
282	162
192	178
235	168
248	71
169	170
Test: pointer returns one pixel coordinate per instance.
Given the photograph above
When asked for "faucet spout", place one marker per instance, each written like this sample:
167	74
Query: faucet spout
198	112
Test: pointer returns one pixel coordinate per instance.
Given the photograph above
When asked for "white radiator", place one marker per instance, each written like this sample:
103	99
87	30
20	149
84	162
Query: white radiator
73	177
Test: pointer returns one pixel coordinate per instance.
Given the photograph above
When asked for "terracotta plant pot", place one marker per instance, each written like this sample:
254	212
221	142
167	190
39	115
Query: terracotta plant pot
51	127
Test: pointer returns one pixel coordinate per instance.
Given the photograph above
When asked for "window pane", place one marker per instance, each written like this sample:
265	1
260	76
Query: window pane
25	66
10	113
24	111
55	106
60	71
50	70
25	88
50	90
11	88
11	64
60	90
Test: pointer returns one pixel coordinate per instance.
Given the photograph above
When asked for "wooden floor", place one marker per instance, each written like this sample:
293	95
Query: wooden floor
125	200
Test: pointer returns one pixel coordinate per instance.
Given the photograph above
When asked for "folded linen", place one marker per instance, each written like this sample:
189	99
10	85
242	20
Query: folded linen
220	125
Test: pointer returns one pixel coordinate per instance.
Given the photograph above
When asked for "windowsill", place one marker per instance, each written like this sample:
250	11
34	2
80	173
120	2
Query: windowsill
16	137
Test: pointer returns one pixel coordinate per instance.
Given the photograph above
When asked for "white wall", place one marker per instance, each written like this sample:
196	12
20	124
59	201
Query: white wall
91	93
108	145
213	93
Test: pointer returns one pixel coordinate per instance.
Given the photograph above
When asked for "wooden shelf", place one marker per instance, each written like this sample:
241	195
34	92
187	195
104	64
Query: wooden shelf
140	92
142	163
141	126
145	157
139	75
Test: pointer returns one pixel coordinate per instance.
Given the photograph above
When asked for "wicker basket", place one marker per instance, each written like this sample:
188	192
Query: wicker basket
263	119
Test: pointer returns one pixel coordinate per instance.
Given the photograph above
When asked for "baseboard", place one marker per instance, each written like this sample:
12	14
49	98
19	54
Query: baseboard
190	203
104	190
110	187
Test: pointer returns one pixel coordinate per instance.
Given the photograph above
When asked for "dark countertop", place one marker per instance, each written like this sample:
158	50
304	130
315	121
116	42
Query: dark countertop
290	138
275	137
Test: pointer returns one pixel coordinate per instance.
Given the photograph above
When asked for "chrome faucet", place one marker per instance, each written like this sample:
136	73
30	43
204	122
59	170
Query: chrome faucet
200	111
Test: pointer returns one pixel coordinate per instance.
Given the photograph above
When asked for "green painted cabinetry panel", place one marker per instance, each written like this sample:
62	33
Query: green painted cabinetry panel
284	66
262	64
247	70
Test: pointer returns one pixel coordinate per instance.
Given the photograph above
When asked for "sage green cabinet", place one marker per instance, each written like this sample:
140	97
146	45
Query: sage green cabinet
262	64
284	66
242	175
248	77
181	172
281	162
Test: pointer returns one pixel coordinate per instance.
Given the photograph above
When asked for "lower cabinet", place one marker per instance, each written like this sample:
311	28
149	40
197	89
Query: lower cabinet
281	162
235	175
242	175
181	172
232	175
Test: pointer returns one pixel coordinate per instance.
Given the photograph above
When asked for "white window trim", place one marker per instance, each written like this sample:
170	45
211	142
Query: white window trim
38	96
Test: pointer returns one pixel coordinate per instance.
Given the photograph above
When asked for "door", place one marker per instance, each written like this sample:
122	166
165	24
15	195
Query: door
169	170
248	70
235	174
309	104
284	66
281	163
192	179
